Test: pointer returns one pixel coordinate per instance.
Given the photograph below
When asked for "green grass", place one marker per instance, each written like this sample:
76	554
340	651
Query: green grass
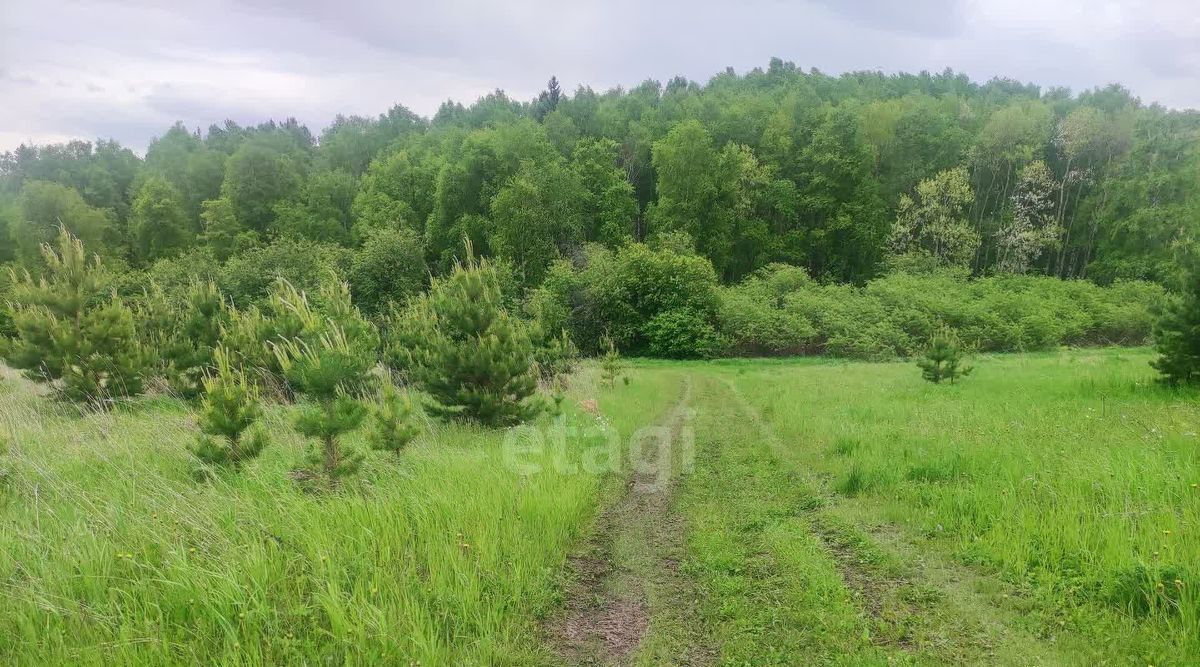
837	513
111	554
1070	475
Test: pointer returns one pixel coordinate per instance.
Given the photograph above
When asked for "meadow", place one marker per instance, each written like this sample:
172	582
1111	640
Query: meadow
1043	510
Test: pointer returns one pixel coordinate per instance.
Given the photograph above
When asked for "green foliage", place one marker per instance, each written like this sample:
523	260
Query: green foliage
44	208
321	212
621	293
682	334
611	364
257	177
8	216
328	371
391	422
290	316
943	358
221	230
849	178
7	329
229	407
6	464
721	198
388	269
537	216
935	224
460	345
158	223
757	317
893	316
69	333
193	169
397	191
609	206
248	277
195	336
554	356
1032	228
1177	336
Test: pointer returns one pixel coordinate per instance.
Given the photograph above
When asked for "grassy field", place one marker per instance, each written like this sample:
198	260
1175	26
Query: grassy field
1044	511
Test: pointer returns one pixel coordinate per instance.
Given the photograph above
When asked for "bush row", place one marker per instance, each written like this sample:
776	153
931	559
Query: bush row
664	302
779	311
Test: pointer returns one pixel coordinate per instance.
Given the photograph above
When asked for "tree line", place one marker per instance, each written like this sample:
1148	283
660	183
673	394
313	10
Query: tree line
639	216
839	175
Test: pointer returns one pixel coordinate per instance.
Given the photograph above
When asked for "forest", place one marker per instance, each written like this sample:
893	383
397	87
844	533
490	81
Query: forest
739	216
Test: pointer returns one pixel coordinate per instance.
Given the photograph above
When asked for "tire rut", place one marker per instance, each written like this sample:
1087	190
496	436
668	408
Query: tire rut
627	573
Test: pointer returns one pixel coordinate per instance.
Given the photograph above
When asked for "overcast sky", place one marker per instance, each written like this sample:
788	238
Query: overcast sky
129	69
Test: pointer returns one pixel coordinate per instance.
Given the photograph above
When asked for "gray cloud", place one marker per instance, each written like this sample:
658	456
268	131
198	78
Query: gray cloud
128	69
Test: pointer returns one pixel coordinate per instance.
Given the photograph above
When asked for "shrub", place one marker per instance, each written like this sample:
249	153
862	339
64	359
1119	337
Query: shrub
888	317
69	333
389	268
553	356
461	346
249	277
619	293
755	317
230	407
681	334
183	332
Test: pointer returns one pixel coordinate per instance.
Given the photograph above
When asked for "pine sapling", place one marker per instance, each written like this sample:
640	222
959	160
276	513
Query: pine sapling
390	423
326	371
230	405
611	365
71	332
944	358
1177	336
459	345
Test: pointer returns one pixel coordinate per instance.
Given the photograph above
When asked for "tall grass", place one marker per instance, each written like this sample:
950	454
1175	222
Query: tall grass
111	554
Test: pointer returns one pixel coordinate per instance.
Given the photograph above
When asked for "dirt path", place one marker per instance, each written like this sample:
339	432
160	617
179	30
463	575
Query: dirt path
626	579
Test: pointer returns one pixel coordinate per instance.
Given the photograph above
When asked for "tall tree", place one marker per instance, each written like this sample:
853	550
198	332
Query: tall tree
257	177
609	207
1032	227
44	208
158	226
536	217
935	224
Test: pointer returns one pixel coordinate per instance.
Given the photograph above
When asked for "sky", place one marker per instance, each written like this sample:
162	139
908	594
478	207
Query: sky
128	70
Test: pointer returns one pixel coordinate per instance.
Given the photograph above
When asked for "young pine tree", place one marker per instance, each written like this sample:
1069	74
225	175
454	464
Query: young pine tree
327	371
611	366
1177	337
458	344
390	424
69	333
944	358
230	406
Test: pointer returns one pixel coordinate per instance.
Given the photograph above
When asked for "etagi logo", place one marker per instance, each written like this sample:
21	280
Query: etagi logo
654	455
